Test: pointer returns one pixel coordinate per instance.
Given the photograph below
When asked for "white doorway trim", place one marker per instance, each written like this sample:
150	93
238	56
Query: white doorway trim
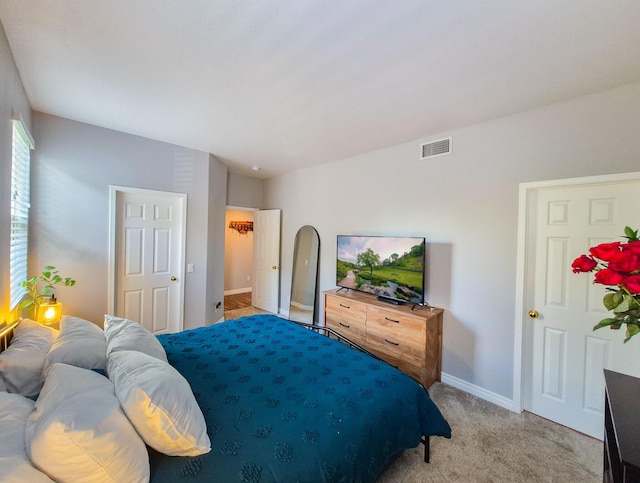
114	191
227	247
525	194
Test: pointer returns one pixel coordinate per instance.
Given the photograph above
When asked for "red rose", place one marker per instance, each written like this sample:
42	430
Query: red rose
633	247
625	261
632	284
607	276
605	251
583	264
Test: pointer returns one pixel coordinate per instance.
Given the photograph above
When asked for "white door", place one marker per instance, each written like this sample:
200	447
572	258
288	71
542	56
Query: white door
148	257
265	294
563	357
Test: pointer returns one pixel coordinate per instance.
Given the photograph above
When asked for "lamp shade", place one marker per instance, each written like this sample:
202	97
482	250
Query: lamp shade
49	311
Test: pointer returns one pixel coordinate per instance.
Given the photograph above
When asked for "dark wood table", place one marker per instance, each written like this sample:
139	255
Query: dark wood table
621	428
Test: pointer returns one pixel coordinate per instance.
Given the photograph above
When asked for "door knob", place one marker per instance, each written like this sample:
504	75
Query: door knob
275	267
173	278
533	313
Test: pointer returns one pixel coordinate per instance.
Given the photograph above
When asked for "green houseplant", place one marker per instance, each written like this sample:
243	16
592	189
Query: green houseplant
42	285
616	265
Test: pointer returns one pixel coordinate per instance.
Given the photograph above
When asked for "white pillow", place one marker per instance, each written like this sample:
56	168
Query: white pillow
80	343
124	334
22	363
160	404
78	431
15	466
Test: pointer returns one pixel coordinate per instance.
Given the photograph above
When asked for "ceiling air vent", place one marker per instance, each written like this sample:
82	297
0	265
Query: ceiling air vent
435	148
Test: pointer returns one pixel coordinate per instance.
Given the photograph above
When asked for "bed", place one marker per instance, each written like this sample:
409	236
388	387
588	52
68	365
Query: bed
285	403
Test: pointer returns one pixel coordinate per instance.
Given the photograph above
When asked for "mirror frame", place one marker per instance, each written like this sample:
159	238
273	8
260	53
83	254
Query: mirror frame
314	280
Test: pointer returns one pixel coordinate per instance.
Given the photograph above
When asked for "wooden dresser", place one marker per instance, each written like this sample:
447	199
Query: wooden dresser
409	339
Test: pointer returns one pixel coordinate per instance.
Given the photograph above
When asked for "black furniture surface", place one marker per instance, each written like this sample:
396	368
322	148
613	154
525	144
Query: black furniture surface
621	428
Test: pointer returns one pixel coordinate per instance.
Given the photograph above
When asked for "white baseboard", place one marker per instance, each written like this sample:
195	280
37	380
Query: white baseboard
479	392
237	291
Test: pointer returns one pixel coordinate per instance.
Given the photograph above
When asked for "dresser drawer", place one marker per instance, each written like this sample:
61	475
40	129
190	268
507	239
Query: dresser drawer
347	310
395	344
413	368
352	331
413	329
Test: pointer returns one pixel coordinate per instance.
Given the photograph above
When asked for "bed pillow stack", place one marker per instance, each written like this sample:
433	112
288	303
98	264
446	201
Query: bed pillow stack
156	398
84	426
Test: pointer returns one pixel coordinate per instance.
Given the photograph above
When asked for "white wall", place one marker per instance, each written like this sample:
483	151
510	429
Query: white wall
13	102
466	204
73	166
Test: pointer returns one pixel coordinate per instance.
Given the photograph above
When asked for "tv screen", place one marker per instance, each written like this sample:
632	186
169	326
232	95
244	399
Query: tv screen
387	266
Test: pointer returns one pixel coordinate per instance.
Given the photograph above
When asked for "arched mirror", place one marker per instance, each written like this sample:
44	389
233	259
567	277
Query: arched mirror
304	279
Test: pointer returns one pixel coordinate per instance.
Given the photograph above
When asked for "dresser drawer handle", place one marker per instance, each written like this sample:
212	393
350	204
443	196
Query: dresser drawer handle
344	325
391	320
345	306
392	343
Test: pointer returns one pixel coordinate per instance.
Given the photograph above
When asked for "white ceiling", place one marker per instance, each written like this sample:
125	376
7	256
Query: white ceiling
289	84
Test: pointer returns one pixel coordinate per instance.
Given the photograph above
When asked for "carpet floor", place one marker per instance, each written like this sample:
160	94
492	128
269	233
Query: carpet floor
490	443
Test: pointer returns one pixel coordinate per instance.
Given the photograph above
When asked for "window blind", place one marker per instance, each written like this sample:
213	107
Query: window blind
20	204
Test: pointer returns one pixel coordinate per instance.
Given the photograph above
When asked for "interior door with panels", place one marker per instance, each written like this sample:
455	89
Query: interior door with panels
265	293
564	357
149	258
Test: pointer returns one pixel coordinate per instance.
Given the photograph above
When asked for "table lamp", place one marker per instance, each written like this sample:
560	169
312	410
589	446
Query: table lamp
49	312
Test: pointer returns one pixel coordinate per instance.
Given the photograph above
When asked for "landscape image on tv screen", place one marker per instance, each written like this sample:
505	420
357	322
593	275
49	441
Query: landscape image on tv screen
391	267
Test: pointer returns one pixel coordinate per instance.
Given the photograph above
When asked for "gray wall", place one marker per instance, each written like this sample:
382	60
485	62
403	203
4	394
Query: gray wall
244	191
466	204
13	102
73	166
214	290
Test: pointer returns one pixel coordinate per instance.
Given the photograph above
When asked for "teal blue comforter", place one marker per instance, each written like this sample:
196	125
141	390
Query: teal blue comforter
283	403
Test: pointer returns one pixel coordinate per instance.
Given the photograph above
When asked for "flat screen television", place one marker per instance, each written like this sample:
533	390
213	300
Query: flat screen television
389	267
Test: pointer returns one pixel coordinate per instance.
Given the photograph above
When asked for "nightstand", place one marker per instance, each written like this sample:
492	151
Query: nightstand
621	428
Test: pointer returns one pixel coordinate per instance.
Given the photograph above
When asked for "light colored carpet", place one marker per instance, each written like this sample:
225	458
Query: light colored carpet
490	444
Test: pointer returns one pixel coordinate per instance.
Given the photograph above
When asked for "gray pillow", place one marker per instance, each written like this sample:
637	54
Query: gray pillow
124	334
21	365
80	343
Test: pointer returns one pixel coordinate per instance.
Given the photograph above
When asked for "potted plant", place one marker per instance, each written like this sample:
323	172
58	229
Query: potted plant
616	265
42	286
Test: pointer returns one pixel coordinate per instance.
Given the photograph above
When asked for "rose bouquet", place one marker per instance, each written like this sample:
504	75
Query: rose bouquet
616	265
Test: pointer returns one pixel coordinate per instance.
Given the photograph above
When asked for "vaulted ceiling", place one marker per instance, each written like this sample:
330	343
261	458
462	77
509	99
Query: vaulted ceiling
287	84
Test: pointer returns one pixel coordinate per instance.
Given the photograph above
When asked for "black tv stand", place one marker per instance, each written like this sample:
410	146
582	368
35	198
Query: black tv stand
390	300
